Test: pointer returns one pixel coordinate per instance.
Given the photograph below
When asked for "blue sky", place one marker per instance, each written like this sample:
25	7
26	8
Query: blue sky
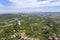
29	6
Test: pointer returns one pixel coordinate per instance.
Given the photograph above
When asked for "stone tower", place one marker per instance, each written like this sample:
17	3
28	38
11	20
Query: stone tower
19	22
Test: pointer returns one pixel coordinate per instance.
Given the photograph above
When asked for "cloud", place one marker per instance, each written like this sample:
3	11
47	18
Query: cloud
33	3
57	3
24	3
28	3
1	5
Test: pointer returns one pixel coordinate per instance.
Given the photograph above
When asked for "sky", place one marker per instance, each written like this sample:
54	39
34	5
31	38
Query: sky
29	6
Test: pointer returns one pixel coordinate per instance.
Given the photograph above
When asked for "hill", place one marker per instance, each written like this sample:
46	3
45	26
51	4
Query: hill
38	26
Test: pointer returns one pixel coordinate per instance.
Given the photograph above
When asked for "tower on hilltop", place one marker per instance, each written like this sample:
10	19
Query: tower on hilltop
19	22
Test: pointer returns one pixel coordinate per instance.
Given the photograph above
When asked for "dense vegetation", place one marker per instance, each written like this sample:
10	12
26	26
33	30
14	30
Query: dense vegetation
33	25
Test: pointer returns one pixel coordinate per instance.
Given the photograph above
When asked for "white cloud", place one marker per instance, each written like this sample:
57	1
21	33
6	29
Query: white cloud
1	5
25	3
30	6
29	3
33	3
57	3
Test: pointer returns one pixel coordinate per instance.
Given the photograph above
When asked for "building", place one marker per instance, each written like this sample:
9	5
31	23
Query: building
19	22
13	36
25	37
53	37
